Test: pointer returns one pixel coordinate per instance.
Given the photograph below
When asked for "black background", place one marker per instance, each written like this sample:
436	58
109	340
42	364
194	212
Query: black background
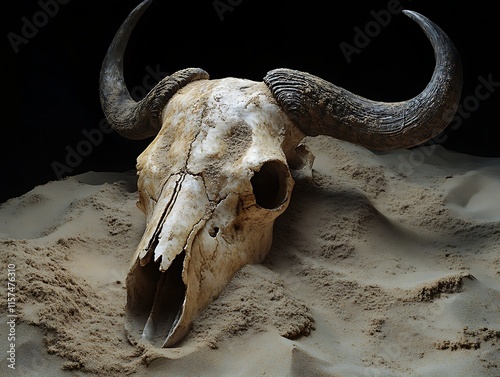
50	87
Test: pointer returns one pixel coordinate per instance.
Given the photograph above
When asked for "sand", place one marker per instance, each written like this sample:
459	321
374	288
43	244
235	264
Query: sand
384	264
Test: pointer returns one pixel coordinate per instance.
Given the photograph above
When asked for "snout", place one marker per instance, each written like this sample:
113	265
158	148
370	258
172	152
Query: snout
157	282
193	246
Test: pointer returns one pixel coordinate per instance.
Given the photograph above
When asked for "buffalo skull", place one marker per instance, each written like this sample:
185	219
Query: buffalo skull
217	174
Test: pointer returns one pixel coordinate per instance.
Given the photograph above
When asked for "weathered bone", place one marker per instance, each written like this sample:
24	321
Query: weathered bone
211	184
217	175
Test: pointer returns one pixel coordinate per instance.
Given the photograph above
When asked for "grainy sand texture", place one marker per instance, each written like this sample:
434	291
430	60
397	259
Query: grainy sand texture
384	264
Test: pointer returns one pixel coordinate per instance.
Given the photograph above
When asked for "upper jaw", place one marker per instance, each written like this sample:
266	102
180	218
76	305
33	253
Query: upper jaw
157	279
192	247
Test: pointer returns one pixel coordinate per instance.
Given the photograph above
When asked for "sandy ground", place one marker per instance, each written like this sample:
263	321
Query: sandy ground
385	264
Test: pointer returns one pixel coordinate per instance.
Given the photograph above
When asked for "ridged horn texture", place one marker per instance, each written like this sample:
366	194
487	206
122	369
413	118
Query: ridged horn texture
131	119
318	107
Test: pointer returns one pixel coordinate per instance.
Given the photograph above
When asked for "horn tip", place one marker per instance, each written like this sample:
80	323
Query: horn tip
415	16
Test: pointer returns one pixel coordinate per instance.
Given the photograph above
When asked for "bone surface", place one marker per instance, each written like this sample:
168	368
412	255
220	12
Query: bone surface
218	172
211	183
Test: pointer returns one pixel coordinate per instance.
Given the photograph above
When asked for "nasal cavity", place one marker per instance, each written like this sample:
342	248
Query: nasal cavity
270	185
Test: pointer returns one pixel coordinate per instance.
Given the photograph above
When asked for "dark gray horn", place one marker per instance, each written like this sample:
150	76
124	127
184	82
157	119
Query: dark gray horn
131	119
318	107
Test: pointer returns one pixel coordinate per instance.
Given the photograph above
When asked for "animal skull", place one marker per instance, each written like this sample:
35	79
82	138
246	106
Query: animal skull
216	175
211	184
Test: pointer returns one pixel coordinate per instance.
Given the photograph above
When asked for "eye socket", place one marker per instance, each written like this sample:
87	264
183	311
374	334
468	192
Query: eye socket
270	185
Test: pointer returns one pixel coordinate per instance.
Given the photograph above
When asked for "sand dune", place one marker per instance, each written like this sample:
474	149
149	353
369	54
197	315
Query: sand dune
385	264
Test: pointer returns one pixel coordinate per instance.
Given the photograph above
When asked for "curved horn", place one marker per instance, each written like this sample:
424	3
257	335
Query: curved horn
318	107
131	119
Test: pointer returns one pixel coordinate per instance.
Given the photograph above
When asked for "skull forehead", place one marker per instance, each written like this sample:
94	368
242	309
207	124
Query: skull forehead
221	129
